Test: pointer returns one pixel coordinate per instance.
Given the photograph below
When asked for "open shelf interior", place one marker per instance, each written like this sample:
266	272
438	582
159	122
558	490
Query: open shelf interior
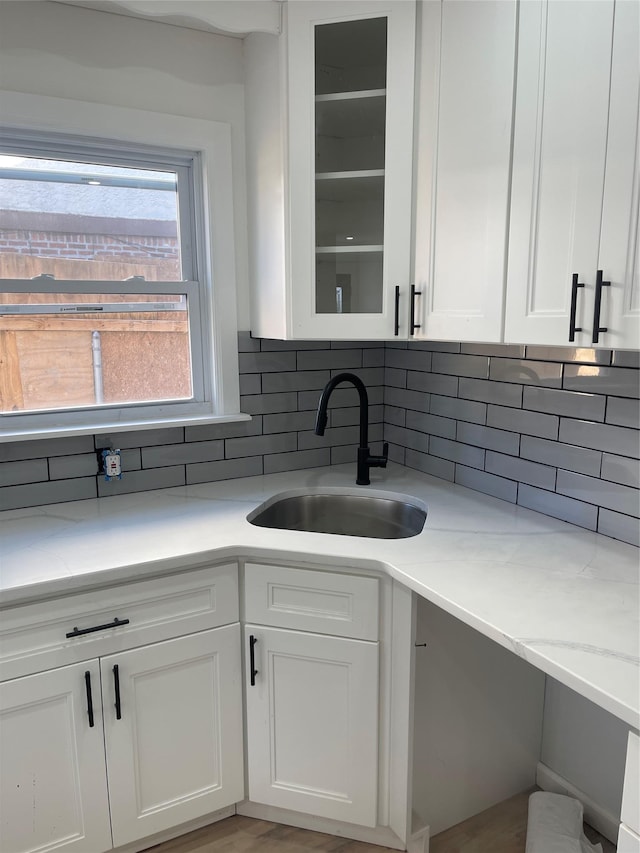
344	282
350	116
351	56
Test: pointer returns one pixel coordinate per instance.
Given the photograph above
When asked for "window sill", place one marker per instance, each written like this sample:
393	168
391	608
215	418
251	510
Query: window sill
115	426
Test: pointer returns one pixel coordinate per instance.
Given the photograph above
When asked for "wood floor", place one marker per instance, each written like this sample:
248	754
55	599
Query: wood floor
500	829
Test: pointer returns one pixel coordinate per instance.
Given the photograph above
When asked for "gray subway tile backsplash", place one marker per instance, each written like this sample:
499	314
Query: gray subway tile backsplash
526	371
623	412
620	469
492	417
328	359
500	393
559	506
560	434
601	492
464	454
490	484
463	410
224	469
520	470
432	383
182	454
615	381
431	424
598	436
619	526
53	491
574	405
77	465
491	439
42	448
476	366
561	455
525	422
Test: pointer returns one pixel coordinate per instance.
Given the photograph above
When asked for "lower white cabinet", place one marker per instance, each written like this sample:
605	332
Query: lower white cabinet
312	723
173	731
137	730
172	718
53	785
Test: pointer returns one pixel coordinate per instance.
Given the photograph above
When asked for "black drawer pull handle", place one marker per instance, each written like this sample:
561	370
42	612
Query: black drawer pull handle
575	284
252	659
78	632
87	684
116	687
597	328
412	308
396	320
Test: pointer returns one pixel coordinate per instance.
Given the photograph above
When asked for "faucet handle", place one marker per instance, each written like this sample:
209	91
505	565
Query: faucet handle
385	450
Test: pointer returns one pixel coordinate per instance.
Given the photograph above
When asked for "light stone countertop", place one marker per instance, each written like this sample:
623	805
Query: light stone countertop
562	598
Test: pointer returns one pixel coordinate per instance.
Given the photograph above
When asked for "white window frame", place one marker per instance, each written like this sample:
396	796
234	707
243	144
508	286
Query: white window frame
213	323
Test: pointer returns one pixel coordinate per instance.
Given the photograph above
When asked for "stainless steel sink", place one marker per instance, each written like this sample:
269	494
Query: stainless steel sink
375	516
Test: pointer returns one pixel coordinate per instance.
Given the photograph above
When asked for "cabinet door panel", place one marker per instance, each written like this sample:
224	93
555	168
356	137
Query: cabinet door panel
620	241
176	752
350	135
312	721
462	167
53	776
560	146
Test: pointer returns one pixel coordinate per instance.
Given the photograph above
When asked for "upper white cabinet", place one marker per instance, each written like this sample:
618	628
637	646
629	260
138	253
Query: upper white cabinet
466	59
329	114
573	264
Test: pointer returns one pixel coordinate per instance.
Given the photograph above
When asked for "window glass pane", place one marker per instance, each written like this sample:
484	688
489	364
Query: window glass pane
86	221
68	350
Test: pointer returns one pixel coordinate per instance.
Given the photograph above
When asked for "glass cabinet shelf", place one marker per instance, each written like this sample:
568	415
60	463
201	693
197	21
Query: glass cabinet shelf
350	130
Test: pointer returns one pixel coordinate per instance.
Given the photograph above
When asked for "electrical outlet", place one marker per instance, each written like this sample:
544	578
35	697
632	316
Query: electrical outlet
109	463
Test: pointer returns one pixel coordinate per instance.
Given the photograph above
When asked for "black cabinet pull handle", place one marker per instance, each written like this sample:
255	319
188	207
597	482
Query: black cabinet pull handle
412	308
116	687
252	659
575	284
87	684
597	305
396	321
78	632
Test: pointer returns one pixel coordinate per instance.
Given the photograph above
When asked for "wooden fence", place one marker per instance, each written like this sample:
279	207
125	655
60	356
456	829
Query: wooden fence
46	361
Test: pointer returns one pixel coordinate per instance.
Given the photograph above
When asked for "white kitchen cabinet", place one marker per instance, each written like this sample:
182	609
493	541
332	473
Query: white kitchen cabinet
465	81
142	733
629	832
173	731
574	211
53	785
312	723
312	691
329	115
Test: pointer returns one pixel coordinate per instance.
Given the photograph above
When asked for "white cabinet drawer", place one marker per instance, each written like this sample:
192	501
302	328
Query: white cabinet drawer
307	600
628	841
630	814
35	637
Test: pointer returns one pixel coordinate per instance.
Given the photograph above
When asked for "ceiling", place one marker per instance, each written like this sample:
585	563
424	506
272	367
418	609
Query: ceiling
229	17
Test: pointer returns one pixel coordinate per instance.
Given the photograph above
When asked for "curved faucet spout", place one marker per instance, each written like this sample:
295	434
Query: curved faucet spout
365	460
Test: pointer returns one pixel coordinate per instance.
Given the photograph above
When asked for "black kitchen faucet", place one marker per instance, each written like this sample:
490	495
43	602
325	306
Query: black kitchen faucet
365	460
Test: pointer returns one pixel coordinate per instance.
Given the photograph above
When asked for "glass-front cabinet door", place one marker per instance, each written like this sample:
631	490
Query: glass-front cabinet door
350	75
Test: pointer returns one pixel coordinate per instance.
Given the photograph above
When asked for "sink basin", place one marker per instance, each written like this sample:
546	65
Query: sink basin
379	516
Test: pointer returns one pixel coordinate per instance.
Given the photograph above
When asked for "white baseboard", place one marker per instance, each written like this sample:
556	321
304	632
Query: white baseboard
604	821
418	842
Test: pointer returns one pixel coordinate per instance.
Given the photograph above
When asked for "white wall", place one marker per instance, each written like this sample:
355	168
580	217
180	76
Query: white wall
85	55
477	720
585	745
